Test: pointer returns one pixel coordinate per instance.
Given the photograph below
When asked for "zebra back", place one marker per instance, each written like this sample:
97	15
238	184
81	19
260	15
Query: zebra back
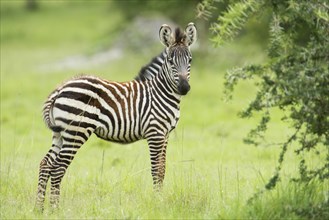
146	73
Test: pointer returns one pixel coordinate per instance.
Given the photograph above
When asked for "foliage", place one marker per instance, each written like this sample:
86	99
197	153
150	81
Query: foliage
230	23
294	79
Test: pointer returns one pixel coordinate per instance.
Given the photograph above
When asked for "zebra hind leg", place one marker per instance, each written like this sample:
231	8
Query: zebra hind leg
44	171
71	145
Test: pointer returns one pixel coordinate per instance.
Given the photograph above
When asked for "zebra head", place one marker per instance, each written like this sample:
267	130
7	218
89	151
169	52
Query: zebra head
178	61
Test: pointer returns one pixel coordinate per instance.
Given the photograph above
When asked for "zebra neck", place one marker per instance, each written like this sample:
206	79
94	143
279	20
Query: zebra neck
163	84
149	71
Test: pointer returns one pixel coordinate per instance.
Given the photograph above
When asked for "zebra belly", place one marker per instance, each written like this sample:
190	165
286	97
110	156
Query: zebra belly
128	137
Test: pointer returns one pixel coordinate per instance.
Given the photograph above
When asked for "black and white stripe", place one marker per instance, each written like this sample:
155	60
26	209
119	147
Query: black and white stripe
145	108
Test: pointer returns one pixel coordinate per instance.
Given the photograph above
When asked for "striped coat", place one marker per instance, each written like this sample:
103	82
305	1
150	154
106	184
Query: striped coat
145	108
117	112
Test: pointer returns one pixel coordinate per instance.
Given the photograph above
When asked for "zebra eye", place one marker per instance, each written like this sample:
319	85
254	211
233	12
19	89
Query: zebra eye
190	60
170	60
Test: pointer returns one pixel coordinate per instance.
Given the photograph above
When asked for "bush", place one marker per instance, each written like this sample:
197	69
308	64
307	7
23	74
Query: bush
294	78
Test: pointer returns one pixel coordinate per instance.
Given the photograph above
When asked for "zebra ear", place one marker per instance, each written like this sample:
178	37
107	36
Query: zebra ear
165	35
191	34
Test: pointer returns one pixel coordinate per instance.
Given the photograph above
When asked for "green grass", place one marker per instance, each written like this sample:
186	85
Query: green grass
210	172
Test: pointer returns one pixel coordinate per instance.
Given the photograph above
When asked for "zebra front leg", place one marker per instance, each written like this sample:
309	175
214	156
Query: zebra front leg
158	147
44	171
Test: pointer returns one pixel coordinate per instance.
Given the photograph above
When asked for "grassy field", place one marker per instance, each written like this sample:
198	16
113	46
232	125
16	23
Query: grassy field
210	172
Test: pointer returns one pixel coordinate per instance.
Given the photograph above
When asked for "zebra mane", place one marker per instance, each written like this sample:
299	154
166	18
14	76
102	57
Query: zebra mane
149	71
179	35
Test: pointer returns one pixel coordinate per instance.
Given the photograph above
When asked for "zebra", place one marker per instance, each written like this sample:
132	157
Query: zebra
147	107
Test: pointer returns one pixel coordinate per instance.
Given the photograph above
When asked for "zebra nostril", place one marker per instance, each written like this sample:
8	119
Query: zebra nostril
183	87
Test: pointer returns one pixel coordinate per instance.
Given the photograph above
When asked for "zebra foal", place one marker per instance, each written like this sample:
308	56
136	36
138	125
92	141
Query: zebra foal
145	108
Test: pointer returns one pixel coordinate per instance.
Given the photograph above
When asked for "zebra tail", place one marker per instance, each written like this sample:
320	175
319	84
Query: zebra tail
47	112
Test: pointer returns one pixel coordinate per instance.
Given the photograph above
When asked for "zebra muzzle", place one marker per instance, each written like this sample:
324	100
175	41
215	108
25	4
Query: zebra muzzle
183	86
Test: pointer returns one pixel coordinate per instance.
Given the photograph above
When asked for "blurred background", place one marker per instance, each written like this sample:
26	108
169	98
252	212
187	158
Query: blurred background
97	32
44	43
